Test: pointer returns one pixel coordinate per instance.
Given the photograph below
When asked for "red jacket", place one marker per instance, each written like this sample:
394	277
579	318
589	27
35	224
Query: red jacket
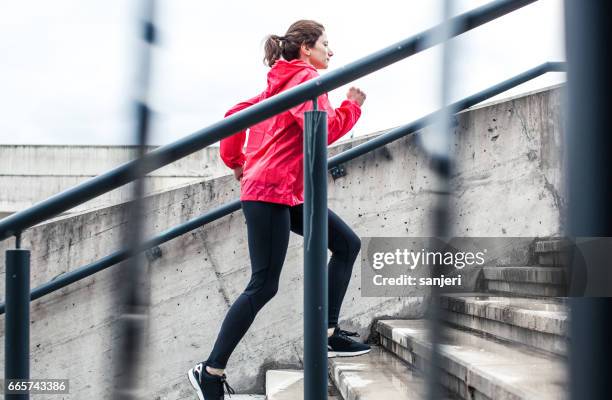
273	161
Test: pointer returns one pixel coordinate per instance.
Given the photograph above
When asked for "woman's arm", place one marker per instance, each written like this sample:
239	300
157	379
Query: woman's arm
340	120
231	148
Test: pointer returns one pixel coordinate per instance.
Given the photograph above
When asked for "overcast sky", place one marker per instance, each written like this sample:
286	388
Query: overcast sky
67	65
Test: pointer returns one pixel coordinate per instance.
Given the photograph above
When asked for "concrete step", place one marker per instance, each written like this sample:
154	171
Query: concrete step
289	385
525	281
234	397
540	323
378	375
190	395
479	368
551	245
553	252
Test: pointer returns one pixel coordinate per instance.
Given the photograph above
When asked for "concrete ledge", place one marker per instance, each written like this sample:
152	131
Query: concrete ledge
553	245
530	274
525	289
540	315
539	323
475	367
453	384
553	253
289	385
378	375
30	173
525	281
553	259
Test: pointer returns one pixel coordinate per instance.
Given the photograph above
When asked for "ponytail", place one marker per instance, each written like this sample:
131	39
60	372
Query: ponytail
272	49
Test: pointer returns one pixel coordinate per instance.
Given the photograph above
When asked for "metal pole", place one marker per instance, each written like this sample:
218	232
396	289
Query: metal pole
437	144
315	255
133	280
17	320
589	145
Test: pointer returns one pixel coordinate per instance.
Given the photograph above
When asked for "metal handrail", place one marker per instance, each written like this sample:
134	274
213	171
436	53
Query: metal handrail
169	153
347	155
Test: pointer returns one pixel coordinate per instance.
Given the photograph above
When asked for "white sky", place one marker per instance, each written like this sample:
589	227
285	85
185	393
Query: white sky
65	74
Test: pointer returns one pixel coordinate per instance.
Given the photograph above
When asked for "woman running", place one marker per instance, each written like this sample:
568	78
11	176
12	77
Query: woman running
271	178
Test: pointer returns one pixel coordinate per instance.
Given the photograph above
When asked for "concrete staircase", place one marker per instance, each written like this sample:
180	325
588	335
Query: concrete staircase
493	346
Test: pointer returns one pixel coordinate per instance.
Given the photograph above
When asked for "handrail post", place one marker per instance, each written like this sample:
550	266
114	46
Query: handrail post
17	319
315	255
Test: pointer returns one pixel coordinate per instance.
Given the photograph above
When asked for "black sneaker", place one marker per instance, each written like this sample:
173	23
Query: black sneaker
341	345
207	386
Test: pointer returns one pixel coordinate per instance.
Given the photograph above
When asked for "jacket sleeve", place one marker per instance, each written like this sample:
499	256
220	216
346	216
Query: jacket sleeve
231	148
339	121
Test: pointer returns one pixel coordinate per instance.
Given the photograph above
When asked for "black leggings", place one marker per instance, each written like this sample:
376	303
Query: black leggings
268	227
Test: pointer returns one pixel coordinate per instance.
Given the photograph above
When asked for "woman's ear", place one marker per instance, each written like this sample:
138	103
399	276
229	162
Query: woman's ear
304	49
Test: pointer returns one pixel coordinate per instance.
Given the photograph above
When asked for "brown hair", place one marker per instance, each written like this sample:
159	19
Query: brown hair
288	46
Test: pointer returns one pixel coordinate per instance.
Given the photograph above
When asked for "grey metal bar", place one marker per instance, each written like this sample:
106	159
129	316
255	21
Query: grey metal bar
17	321
248	117
589	145
315	255
219	212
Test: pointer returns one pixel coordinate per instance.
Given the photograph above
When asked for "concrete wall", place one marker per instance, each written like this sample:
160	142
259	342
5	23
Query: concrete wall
509	178
29	174
507	184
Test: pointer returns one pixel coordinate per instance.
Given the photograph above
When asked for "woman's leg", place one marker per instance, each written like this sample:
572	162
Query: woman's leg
268	234
344	245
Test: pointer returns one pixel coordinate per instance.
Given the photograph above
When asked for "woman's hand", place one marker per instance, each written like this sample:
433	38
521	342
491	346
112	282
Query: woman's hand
356	95
238	173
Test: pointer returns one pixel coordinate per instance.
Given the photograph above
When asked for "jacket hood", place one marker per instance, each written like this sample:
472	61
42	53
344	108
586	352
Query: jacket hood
282	71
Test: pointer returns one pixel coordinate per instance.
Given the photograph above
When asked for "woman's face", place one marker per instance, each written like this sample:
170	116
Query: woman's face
319	55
